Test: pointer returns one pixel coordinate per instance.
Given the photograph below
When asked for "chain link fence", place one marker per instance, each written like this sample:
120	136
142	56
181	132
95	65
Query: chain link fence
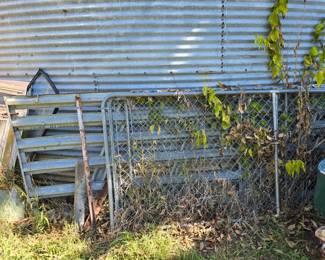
175	156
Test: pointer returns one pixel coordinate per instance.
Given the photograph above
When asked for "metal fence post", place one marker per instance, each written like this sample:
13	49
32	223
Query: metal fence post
275	105
108	165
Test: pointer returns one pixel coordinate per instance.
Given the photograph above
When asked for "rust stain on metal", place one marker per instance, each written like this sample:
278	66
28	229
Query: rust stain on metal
86	162
98	205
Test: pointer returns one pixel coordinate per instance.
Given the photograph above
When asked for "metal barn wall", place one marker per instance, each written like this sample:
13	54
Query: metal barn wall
121	45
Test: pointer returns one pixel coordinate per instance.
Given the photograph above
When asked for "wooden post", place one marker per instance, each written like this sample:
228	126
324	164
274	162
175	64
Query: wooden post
86	162
79	195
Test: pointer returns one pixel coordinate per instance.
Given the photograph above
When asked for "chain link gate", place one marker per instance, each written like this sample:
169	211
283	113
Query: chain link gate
168	157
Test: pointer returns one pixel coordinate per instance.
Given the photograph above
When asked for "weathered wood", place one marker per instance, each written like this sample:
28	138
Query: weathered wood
80	195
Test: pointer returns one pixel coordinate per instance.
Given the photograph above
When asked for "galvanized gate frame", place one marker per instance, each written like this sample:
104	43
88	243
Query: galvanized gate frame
102	119
107	118
52	143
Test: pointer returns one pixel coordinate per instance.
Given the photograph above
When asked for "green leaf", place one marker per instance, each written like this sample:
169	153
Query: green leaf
274	35
308	61
217	111
295	167
313	51
275	71
319	77
283	8
288	167
259	41
225	123
318	30
152	129
256	106
204	138
322	56
274	18
277	60
250	152
205	91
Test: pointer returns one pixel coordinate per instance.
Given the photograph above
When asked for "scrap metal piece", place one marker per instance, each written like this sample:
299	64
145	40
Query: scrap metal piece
98	204
86	162
80	195
59	145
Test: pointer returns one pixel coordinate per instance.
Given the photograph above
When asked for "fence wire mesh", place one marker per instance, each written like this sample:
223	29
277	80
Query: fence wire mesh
308	131
171	157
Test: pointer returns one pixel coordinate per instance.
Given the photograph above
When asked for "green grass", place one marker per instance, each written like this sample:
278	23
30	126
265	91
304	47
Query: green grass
64	244
155	244
271	239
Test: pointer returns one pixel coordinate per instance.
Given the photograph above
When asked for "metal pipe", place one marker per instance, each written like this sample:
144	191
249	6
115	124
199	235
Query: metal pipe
86	162
114	174
126	108
93	98
275	104
108	168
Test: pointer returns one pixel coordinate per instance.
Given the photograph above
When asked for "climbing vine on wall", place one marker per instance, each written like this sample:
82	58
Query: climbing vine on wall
314	67
274	42
313	71
220	111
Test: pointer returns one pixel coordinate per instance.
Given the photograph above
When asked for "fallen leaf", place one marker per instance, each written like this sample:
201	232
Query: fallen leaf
291	227
238	232
291	244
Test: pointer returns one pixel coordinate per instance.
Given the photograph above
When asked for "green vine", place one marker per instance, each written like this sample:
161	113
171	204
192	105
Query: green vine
314	67
201	138
295	167
221	111
274	42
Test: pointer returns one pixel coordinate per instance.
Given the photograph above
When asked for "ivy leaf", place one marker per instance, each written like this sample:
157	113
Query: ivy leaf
319	77
225	124
277	60
217	110
313	51
294	167
288	167
274	18
204	139
205	91
257	106
308	61
318	30
322	56
275	71
274	35
152	129
259	41
283	8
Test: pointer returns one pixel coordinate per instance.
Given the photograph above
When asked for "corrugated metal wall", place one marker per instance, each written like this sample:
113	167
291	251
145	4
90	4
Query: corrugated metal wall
119	45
